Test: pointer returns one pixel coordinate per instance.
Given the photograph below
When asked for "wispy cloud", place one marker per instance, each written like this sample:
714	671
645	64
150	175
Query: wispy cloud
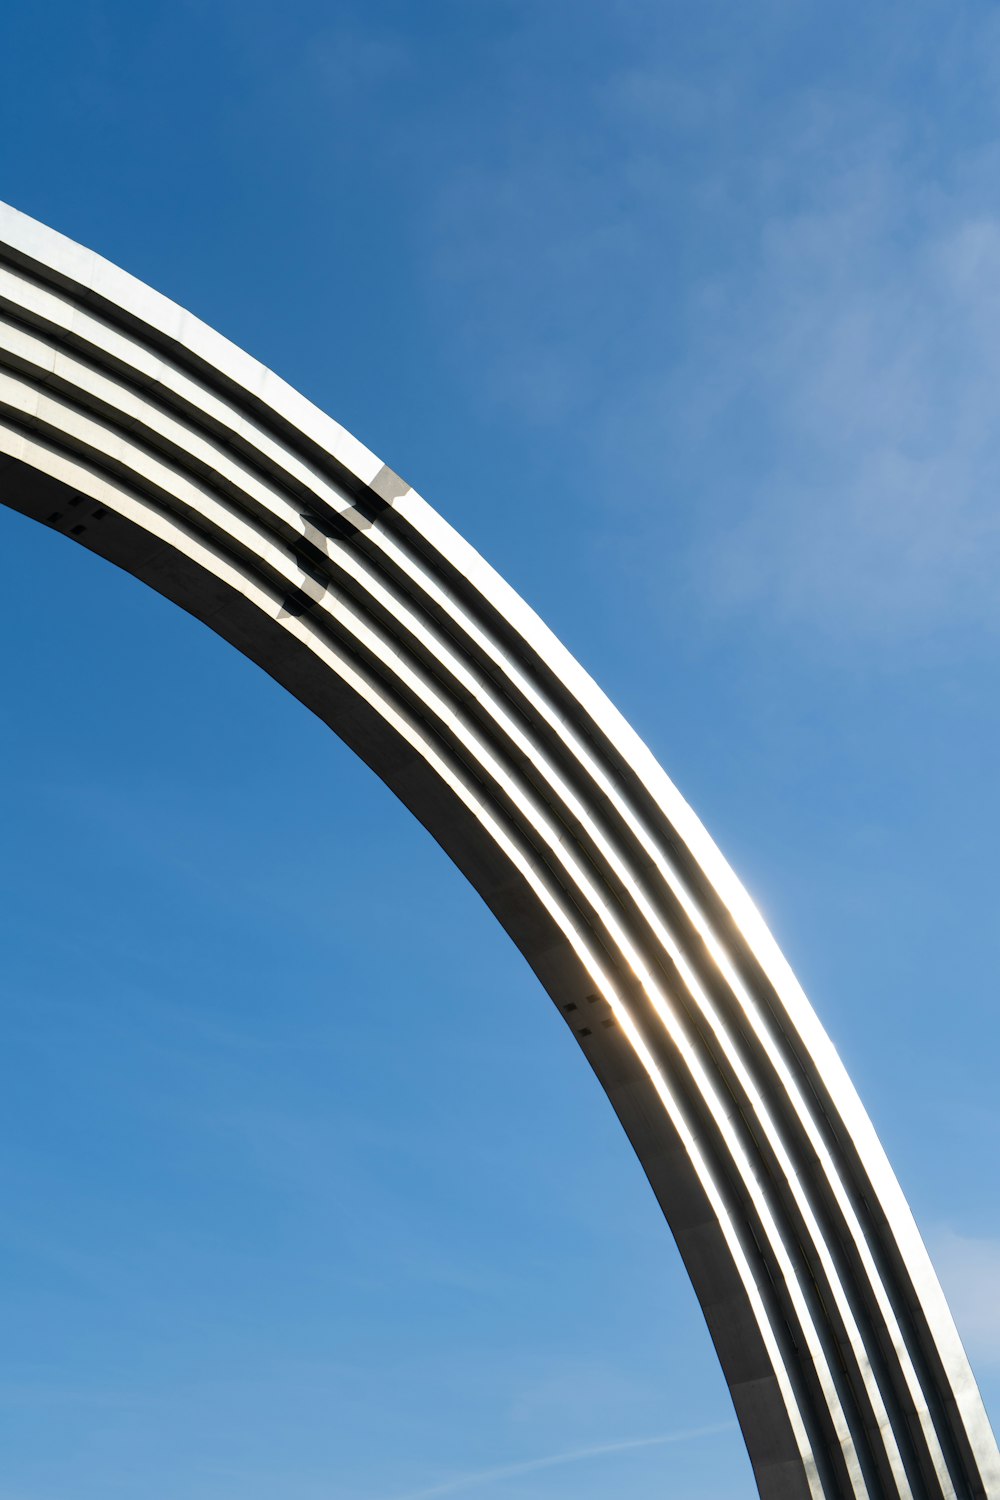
869	352
969	1269
483	1477
770	318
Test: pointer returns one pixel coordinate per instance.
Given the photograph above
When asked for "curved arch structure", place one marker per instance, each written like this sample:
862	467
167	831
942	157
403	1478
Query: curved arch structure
128	425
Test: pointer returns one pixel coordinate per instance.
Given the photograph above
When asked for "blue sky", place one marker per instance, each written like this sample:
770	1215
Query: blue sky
689	317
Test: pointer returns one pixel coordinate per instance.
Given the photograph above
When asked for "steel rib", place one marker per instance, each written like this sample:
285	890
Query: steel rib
66	424
117	399
241	456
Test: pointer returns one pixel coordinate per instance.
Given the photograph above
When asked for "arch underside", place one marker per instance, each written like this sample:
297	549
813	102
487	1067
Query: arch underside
130	427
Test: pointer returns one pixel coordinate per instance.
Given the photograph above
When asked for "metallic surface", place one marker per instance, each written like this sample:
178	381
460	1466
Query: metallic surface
130	426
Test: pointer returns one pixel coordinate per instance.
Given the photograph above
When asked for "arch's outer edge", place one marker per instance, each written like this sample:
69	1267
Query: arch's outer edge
130	426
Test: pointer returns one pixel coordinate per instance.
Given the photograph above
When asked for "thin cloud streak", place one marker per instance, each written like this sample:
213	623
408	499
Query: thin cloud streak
554	1460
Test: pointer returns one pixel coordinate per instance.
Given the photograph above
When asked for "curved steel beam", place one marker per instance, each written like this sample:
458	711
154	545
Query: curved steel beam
128	425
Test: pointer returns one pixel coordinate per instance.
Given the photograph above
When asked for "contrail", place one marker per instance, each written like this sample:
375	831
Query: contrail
510	1471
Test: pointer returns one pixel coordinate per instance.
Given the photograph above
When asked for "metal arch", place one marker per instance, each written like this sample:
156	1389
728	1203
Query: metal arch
128	425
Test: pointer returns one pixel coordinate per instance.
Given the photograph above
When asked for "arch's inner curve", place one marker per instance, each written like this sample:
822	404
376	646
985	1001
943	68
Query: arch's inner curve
131	427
